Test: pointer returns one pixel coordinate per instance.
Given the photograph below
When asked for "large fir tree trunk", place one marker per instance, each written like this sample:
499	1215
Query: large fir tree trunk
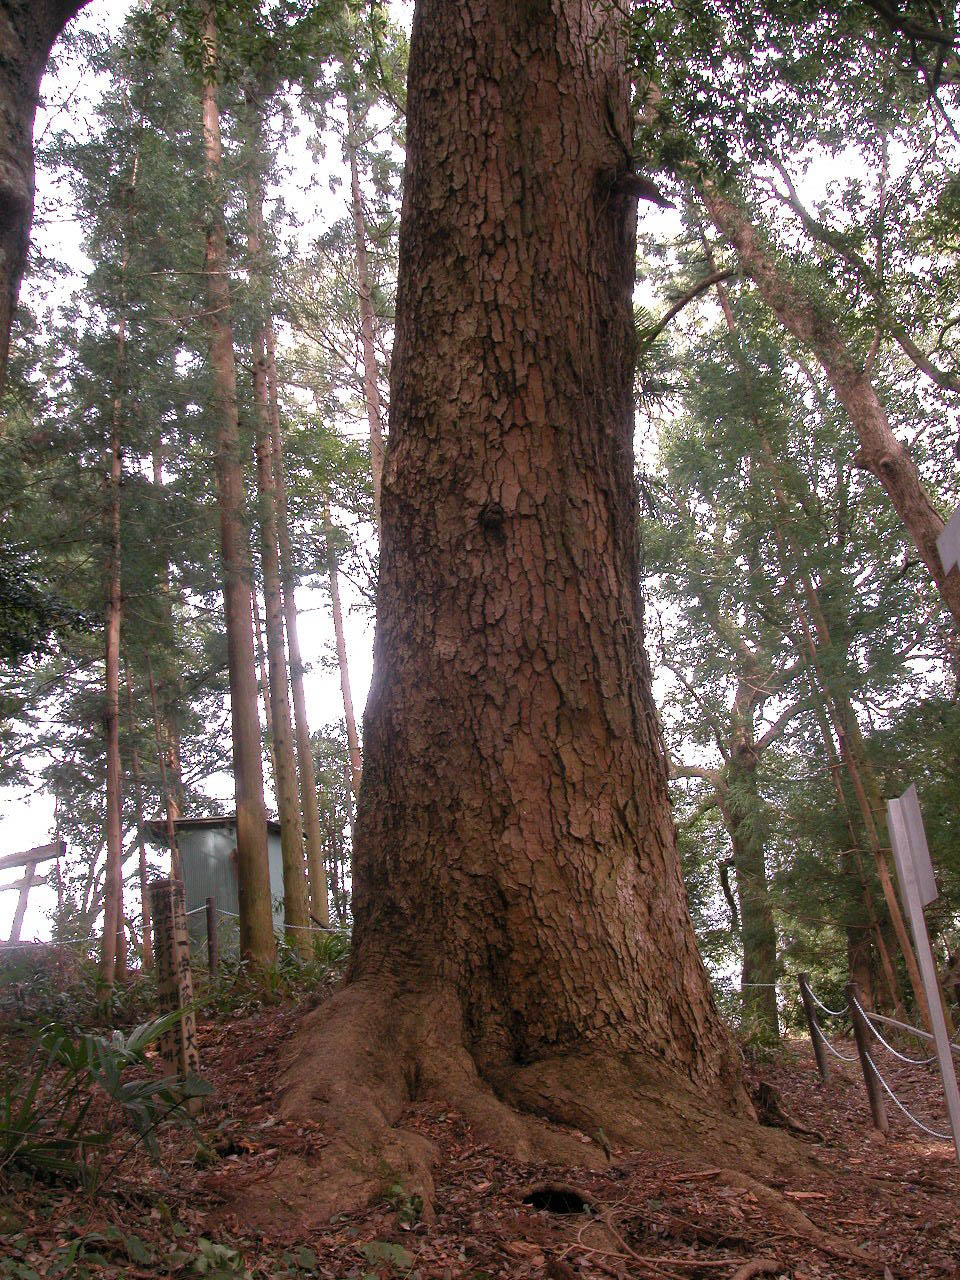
253	875
522	946
28	29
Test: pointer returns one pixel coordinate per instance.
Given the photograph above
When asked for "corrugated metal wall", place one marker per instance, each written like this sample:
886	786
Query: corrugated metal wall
210	871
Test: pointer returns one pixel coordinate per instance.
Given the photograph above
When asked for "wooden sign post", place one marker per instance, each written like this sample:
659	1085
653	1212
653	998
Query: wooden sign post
948	544
178	1046
919	889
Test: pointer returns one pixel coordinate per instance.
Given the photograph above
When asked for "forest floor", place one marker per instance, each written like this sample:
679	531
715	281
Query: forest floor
895	1198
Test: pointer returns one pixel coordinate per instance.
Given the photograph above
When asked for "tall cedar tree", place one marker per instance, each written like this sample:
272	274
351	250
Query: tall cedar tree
253	875
522	944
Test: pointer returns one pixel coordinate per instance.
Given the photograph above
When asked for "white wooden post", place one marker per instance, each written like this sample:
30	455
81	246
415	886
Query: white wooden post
919	888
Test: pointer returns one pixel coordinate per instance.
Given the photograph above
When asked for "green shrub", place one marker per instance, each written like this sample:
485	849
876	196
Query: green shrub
50	1123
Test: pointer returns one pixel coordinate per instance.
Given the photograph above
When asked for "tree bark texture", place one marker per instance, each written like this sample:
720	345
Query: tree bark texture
881	453
295	910
28	29
253	875
522	944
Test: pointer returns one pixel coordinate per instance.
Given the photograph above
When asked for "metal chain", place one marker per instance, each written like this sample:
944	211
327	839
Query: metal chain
834	1013
836	1052
942	1137
913	1062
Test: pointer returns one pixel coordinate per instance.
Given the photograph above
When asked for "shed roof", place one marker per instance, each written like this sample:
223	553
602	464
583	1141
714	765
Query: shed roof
156	828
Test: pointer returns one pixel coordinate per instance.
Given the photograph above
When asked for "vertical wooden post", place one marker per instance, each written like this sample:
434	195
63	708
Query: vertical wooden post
213	946
178	1046
861	1029
26	884
816	1036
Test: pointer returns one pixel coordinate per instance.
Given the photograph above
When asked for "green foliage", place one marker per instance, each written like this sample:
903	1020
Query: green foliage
237	991
407	1207
65	987
50	1123
380	1253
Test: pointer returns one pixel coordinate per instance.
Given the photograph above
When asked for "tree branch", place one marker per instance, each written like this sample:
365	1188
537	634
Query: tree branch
715	277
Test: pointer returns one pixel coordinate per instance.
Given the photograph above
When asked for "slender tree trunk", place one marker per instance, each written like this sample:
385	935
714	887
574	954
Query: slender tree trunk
853	861
368	320
313	837
170	808
841	711
261	650
295	909
758	931
353	740
522	943
253	874
28	29
113	614
881	453
146	932
170	732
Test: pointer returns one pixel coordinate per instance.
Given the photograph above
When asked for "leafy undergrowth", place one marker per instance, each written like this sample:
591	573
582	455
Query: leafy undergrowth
645	1216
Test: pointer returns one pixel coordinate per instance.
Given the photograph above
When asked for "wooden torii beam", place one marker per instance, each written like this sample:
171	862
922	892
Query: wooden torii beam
30	858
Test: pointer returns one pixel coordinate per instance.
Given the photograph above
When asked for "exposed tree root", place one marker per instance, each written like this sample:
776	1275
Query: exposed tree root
798	1222
361	1058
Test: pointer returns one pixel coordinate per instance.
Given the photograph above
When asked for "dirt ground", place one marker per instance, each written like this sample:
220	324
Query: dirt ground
894	1202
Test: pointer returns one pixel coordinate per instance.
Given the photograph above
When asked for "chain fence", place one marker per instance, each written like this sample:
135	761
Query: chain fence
869	1020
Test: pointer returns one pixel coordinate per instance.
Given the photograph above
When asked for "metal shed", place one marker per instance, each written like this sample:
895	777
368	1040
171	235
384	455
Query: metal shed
209	867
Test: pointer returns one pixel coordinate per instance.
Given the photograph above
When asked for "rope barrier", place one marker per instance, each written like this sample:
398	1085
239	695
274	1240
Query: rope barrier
942	1137
902	1057
24	946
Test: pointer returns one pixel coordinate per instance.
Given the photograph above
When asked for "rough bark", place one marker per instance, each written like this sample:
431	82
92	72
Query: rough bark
881	453
368	319
522	947
253	876
295	910
28	29
349	716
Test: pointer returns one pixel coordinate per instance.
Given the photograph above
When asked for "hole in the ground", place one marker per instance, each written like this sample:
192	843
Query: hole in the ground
557	1199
